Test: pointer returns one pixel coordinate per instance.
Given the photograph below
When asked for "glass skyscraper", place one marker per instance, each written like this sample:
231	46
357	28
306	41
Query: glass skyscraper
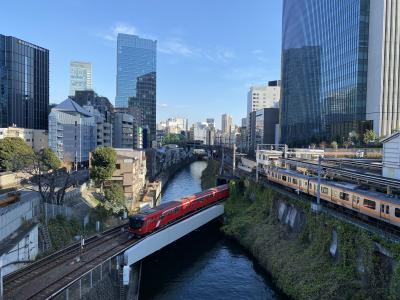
24	84
136	78
324	70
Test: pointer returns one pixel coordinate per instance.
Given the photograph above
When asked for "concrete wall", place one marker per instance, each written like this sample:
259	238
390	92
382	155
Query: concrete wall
25	250
12	216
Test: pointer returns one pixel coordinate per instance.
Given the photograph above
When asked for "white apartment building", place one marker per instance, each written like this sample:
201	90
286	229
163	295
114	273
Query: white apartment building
176	125
263	96
36	138
80	77
383	101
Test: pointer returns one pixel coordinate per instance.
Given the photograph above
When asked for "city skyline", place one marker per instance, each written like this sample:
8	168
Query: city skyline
190	49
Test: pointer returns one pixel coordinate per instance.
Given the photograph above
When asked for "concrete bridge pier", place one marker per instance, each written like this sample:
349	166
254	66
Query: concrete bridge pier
131	276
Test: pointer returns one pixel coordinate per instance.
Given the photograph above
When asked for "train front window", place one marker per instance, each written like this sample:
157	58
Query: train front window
136	222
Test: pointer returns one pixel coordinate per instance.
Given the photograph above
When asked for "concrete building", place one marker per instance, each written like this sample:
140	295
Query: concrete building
176	125
263	96
36	138
226	123
104	128
80	77
130	172
210	122
199	132
72	132
383	101
123	131
262	127
24	84
391	156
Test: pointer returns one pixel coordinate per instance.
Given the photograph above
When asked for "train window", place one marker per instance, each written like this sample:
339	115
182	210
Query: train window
284	178
387	209
345	196
324	190
289	179
162	216
382	208
294	181
397	212
369	204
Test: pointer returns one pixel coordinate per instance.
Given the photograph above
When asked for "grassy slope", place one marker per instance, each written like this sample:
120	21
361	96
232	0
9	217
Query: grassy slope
300	261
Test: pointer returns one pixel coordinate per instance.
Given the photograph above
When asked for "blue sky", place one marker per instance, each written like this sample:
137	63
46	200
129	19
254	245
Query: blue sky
209	51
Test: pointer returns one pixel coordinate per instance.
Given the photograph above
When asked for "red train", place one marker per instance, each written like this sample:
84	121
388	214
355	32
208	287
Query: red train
154	218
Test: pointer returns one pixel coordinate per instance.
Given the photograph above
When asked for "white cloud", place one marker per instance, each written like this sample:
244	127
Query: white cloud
175	46
257	51
119	27
163	105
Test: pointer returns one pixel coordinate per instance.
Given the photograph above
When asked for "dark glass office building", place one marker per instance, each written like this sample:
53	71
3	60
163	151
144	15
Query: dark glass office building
24	84
136	78
324	70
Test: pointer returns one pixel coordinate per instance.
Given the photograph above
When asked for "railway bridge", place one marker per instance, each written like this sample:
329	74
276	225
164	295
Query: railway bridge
114	255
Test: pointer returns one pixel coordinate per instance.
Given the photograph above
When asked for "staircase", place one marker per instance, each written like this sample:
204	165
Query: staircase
44	238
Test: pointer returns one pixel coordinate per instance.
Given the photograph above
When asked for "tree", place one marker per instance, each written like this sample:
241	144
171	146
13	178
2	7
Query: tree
354	137
115	198
46	176
173	138
103	164
348	142
15	154
334	145
370	137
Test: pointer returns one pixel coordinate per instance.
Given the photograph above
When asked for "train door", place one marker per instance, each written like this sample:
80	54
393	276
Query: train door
385	211
356	202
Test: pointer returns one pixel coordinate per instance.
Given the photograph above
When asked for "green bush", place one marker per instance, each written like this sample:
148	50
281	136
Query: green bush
299	260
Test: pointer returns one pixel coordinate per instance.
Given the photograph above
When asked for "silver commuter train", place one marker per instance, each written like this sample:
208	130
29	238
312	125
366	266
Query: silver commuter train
373	204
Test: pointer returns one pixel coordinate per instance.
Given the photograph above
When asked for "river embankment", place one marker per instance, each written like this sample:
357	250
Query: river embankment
308	255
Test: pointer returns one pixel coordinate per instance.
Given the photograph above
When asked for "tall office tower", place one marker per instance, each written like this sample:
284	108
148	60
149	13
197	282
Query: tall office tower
226	124
80	77
24	84
136	78
383	101
263	96
340	70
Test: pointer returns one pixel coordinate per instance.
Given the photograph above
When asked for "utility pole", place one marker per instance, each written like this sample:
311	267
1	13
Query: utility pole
258	148
234	159
1	278
316	207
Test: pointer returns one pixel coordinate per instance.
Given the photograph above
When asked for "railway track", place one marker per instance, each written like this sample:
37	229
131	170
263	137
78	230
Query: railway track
351	175
14	281
53	287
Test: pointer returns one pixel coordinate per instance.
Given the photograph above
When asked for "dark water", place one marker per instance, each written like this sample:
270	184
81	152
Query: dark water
203	265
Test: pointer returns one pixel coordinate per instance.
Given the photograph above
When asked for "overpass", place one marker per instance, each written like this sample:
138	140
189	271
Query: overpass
72	274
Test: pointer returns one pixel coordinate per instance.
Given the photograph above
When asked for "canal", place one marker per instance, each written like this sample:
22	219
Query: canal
204	265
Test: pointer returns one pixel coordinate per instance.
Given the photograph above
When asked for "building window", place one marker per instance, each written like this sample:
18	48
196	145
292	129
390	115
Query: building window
118	166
